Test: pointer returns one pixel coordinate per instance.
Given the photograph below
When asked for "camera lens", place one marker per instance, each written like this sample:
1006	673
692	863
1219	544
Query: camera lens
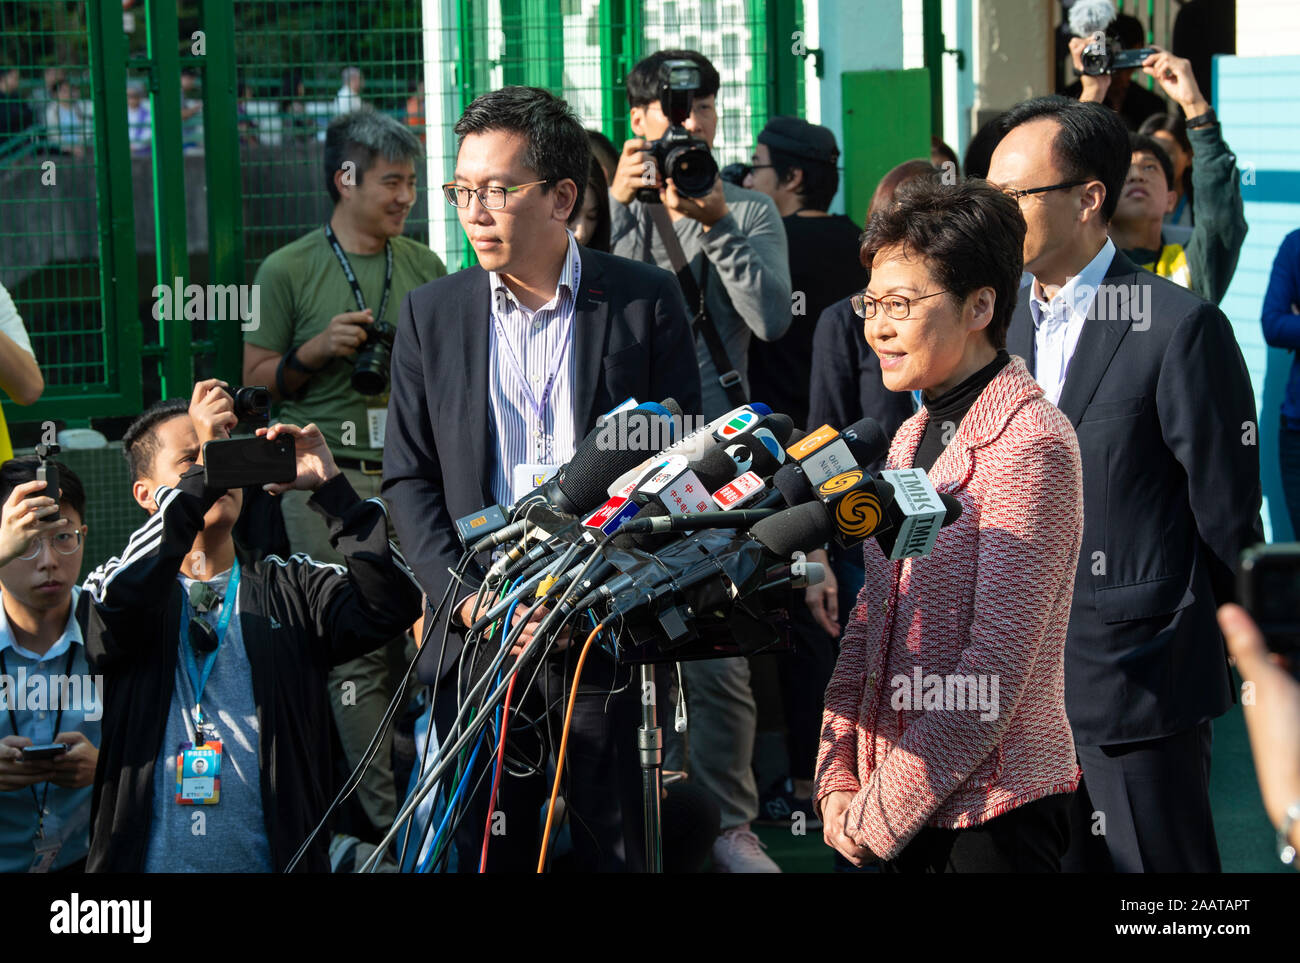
253	405
370	374
692	169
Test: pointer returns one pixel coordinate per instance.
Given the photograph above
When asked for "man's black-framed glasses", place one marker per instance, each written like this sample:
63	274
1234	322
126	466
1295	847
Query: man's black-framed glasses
1016	193
895	305
493	198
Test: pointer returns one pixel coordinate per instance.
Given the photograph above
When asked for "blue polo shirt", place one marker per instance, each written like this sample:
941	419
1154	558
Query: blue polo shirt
32	686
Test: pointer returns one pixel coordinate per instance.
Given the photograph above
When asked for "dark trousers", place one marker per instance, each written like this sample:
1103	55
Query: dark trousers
602	774
804	673
1144	807
1029	839
1288	457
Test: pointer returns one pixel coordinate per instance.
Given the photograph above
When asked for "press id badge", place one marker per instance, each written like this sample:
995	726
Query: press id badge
198	774
527	477
376	420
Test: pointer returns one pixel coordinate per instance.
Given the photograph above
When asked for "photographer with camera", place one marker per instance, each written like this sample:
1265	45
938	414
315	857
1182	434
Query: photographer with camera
728	247
216	743
50	705
330	304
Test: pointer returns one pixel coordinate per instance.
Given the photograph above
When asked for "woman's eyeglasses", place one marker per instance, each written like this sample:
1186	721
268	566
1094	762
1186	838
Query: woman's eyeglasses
895	305
65	543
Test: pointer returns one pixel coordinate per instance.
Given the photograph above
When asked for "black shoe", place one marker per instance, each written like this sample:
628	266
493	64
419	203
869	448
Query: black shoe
778	806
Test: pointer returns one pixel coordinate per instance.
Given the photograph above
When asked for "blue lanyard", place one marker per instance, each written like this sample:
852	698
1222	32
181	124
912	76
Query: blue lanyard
200	682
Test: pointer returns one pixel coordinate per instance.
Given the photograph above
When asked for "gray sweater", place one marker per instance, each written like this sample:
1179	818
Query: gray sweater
748	289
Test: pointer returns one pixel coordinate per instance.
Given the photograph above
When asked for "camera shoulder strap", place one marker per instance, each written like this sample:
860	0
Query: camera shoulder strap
344	263
701	323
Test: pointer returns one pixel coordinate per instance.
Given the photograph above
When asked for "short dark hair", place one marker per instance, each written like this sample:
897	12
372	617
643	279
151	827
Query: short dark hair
140	443
1091	142
937	146
971	235
979	152
558	148
1142	144
643	79
1172	123
19	471
883	195
596	182
604	150
820	179
362	135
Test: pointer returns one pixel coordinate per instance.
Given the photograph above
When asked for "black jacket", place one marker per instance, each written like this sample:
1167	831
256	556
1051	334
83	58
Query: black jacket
298	617
631	338
1165	415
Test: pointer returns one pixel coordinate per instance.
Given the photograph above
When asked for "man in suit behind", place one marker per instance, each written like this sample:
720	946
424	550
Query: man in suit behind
1153	380
498	371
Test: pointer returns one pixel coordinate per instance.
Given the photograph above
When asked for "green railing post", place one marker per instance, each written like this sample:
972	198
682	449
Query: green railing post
221	161
172	254
932	46
620	49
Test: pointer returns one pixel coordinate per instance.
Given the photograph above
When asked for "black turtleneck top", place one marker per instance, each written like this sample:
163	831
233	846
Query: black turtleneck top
947	411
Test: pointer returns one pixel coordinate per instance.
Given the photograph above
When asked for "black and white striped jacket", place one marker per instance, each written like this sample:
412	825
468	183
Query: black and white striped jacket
298	617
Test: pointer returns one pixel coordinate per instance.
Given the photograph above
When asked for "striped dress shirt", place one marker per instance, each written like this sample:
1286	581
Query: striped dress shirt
528	349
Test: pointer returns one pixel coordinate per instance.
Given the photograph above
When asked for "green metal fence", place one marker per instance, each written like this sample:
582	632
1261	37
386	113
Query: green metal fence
187	145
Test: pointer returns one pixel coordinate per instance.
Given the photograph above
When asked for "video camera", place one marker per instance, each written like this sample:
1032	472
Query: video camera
1103	54
685	159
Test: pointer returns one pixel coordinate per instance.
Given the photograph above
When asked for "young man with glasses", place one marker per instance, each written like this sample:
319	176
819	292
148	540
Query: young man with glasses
322	297
216	742
1153	381
47	692
498	371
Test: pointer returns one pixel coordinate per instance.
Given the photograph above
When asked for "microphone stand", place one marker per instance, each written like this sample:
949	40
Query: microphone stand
650	748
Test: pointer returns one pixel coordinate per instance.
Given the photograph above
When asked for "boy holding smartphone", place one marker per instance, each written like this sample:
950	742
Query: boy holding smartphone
216	726
47	693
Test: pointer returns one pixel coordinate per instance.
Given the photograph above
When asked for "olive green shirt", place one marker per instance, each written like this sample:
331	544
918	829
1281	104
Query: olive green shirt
301	286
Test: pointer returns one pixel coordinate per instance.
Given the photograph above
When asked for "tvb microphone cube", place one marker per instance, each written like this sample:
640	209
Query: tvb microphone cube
917	512
854	506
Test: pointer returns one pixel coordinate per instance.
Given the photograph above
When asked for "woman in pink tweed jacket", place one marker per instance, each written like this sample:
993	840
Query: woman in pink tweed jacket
945	714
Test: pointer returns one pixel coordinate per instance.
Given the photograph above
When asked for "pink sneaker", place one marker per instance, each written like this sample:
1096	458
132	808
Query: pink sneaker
738	850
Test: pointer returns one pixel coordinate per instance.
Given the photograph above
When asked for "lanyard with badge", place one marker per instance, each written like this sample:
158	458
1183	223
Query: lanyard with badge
377	416
47	846
530	475
198	763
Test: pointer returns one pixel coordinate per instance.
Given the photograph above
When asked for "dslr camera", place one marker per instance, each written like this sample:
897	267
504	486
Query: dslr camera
252	405
370	370
685	159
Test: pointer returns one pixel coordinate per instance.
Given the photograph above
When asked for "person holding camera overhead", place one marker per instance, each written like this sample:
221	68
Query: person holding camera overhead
215	737
727	246
329	303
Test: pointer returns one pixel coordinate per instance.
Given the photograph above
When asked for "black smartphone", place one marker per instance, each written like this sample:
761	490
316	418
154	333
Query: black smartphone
236	462
47	751
1268	587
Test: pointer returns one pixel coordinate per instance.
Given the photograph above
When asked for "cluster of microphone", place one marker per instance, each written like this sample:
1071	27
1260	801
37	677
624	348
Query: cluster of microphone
691	542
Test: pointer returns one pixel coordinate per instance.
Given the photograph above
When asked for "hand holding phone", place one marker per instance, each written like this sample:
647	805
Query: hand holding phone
48	750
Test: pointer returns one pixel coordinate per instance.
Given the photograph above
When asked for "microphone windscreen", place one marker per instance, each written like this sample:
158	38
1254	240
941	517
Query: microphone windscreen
793	484
672	407
782	426
1089	16
609	450
873	441
796	436
714	468
761	408
953	506
799	529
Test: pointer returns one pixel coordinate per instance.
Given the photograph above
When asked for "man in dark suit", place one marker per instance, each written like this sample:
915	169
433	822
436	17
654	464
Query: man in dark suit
498	371
1153	380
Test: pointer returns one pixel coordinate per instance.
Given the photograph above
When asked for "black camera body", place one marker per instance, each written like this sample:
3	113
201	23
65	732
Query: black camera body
370	369
1268	587
1104	55
680	156
252	405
